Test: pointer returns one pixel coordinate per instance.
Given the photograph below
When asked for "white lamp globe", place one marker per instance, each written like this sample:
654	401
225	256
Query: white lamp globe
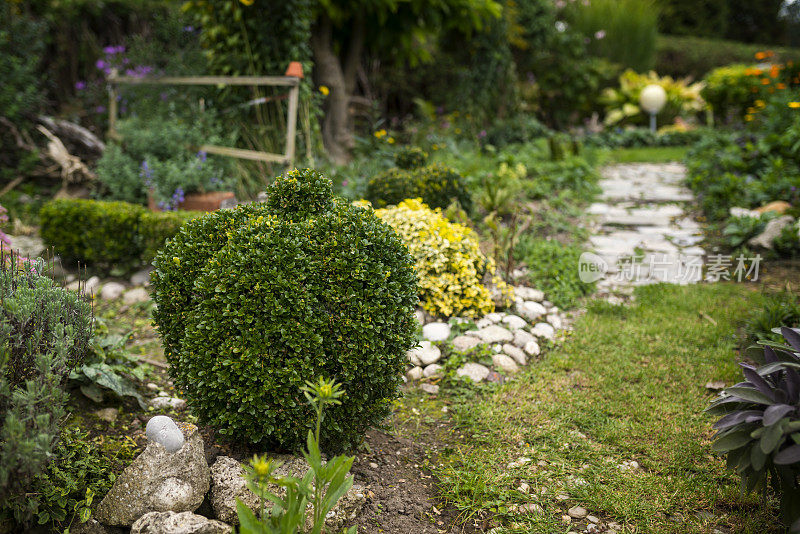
653	98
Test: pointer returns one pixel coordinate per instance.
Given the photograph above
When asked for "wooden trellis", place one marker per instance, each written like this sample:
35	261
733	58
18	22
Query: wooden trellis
292	82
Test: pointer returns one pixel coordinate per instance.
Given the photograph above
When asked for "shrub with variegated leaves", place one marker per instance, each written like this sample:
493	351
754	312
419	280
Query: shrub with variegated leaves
759	430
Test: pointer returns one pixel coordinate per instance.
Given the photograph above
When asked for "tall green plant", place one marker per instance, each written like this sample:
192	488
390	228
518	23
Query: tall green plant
319	490
622	31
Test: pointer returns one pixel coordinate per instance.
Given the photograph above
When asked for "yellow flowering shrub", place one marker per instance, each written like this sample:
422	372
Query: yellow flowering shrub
448	261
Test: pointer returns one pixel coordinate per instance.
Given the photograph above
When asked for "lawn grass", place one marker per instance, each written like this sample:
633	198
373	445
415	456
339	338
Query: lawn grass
654	154
627	385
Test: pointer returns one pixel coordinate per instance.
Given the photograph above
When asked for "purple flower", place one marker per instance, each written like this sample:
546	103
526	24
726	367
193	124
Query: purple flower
147	173
100	109
202	156
163	97
482	134
110	50
177	196
80	86
344	183
101	64
188	28
600	34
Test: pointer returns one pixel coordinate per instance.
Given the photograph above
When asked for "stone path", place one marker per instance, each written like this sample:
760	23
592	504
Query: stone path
641	231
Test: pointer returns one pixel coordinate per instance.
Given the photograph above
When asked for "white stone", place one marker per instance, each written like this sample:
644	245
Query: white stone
162	429
432	370
142	277
544	330
516	353
532	348
166	403
419	315
555	321
531	310
494	334
505	363
414	374
514	322
431	389
522	338
483	323
474	371
466	343
494	317
227	485
771	231
111	291
135	295
528	293
425	354
178	523
436	331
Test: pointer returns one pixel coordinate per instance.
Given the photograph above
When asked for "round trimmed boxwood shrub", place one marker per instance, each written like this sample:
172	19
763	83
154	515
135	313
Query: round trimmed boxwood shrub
253	302
410	157
437	185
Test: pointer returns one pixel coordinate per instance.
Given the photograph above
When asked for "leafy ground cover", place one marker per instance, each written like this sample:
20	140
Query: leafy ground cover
627	386
655	154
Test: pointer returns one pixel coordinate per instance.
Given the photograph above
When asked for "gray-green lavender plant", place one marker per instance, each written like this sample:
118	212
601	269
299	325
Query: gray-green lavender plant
319	490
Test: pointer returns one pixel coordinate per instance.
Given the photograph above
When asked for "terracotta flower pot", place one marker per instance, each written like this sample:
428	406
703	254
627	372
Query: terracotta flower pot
197	201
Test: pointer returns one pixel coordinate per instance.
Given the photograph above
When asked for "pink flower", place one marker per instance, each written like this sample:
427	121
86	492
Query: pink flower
600	34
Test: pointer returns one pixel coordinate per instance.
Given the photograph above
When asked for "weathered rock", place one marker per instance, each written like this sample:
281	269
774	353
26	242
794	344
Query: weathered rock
414	374
771	231
514	322
530	310
142	277
494	317
532	348
522	338
528	293
111	291
92	526
544	330
577	512
436	331
227	485
555	320
432	370
430	389
178	523
516	353
135	295
466	343
474	371
493	334
109	415
167	403
425	354
505	363
163	430
159	481
419	315
27	246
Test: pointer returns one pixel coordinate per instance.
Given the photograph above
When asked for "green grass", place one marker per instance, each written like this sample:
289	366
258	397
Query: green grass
628	385
659	154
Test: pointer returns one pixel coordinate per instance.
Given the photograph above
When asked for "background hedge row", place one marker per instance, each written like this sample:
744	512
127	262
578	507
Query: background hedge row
107	234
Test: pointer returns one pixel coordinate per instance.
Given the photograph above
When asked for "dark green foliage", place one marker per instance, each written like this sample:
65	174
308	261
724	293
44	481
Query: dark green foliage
252	302
107	234
410	157
703	18
88	231
519	128
553	268
759	427
572	175
779	309
437	185
44	332
688	55
63	494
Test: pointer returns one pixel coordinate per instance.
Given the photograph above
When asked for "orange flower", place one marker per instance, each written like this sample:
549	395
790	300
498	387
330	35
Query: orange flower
765	81
781	85
753	72
774	71
761	55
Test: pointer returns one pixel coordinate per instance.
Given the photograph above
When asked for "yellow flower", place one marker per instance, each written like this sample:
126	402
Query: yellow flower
748	118
247	2
380	133
390	140
794	105
323	89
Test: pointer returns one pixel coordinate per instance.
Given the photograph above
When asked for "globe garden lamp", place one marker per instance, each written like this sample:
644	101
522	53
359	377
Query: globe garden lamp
652	99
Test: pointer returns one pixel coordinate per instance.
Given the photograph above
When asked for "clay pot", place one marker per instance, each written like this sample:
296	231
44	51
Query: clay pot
197	201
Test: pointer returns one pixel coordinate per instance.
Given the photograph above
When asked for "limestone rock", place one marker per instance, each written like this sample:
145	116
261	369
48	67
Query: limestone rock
555	320
436	331
227	485
142	277
544	330
431	389
771	231
530	310
111	291
178	523
466	343
414	374
432	370
135	295
514	322
163	430
425	354
474	371
516	353
528	293
494	334
532	348
505	363
159	481
166	403
523	337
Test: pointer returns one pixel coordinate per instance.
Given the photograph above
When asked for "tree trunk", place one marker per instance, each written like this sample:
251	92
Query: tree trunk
336	134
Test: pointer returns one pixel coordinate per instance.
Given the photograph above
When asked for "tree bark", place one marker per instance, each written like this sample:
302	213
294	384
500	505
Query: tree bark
336	134
354	53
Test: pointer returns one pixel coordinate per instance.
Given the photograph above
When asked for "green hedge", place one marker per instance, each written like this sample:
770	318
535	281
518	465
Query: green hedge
107	234
696	56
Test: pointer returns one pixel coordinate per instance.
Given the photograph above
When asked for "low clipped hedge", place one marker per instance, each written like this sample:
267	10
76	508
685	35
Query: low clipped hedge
255	301
107	234
437	185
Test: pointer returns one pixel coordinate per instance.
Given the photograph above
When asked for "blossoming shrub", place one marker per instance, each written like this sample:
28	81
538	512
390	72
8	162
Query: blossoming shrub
410	157
437	185
252	302
447	259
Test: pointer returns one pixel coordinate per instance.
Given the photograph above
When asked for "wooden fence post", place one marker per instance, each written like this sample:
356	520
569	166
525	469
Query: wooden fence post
291	125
